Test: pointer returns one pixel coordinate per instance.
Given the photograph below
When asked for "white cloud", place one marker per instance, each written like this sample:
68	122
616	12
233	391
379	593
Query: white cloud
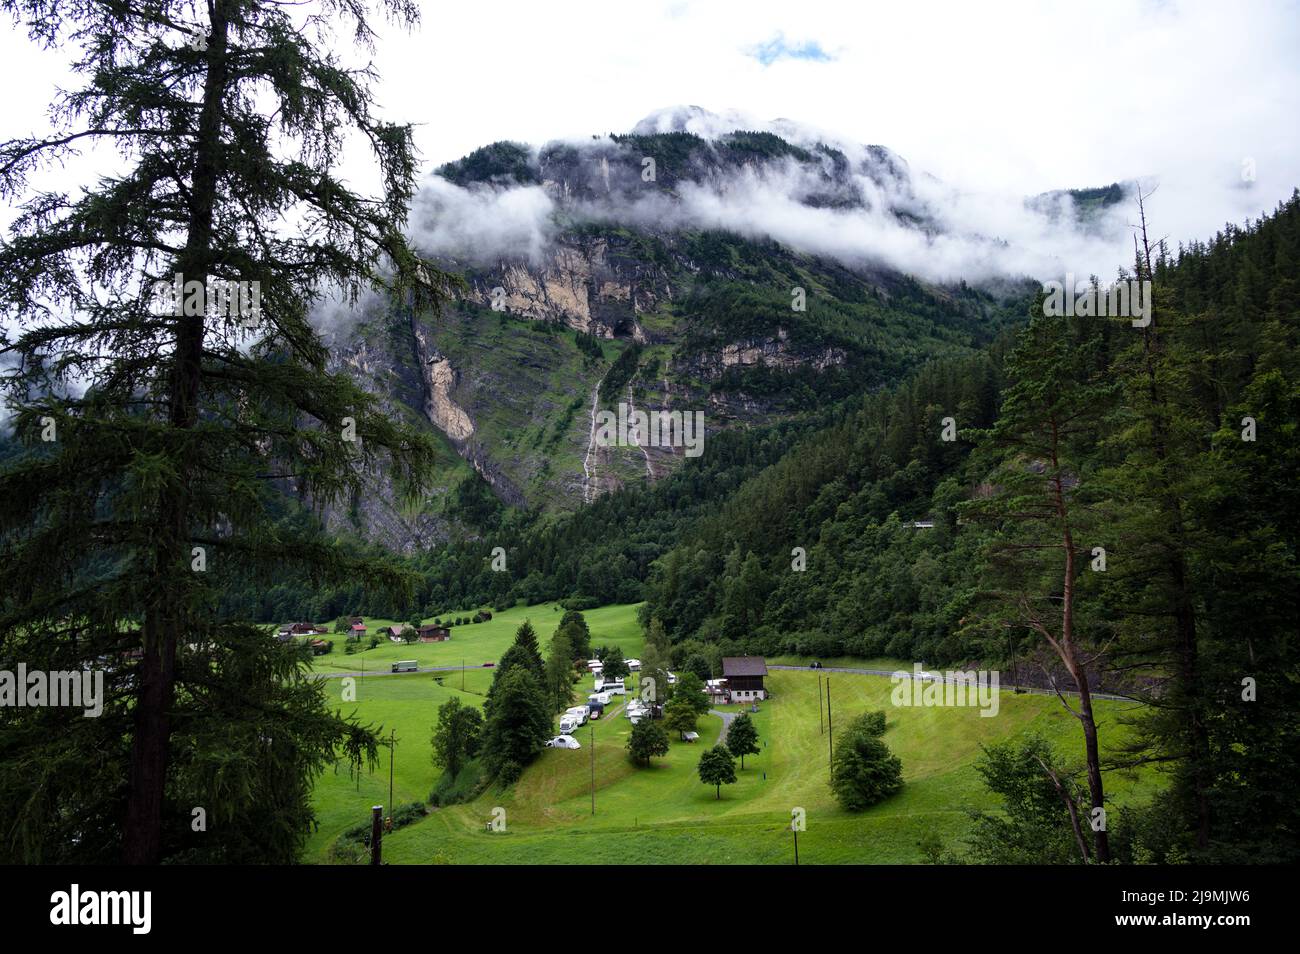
1014	98
481	224
1004	99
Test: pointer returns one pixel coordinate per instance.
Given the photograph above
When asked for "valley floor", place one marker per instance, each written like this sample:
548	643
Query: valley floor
664	815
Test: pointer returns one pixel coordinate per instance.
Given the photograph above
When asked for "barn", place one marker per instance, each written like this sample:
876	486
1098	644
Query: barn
744	675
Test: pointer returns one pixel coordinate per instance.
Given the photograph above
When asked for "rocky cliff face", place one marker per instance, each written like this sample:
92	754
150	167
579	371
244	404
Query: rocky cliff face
581	285
514	374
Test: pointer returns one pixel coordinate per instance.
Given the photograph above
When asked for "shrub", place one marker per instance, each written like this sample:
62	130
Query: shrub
510	772
465	786
863	770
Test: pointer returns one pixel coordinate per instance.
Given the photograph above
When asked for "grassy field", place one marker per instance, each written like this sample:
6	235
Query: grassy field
477	643
407	704
664	814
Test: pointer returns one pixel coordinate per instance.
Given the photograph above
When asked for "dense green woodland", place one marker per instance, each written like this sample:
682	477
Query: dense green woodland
1199	528
830	483
1117	505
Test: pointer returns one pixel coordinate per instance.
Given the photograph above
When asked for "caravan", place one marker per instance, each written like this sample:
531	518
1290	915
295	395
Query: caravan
568	723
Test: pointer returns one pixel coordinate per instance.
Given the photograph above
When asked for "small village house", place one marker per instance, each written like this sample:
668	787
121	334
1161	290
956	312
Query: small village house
434	634
744	677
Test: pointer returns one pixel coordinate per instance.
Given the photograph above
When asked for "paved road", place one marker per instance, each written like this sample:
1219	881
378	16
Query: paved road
387	672
727	719
890	672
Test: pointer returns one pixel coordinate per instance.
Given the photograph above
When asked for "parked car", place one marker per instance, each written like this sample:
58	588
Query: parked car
563	742
488	665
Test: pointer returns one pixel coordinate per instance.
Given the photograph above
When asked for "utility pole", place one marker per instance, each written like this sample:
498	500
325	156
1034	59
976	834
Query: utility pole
794	829
830	726
593	770
462	675
392	753
376	833
821	708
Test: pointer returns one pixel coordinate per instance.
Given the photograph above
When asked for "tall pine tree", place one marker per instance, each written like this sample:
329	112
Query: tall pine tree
161	435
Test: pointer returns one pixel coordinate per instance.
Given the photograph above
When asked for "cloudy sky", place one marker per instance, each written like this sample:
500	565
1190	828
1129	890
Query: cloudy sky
1029	96
1007	97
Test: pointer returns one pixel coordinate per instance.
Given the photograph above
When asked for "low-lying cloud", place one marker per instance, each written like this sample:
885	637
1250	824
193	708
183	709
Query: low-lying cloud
482	225
906	221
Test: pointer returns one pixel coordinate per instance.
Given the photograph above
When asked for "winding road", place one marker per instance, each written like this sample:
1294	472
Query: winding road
727	719
938	678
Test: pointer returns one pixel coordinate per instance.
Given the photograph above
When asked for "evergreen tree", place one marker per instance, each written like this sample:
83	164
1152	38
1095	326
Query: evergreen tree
559	672
179	425
613	665
1209	505
1045	518
518	724
863	770
524	653
657	638
575	625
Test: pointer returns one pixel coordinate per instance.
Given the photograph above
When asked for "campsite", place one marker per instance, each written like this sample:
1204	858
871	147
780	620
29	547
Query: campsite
663	815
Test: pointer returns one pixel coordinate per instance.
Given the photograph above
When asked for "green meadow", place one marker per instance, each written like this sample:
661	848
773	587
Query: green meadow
476	643
664	814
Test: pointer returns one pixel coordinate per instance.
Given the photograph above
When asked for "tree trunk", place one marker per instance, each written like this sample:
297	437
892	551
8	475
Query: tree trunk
165	617
1070	657
1095	791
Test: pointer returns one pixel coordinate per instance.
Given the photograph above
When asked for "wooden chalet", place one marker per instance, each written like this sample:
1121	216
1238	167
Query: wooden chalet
744	677
434	634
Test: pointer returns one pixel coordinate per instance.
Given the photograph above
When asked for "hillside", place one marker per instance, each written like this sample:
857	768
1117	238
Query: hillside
587	286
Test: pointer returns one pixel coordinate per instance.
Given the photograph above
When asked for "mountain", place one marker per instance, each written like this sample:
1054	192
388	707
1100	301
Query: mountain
684	266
